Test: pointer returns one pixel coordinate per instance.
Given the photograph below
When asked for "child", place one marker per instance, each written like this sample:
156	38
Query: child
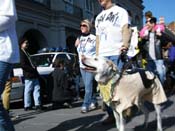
61	95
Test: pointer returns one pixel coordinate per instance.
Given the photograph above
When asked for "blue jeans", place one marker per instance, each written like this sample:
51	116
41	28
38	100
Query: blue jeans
32	86
5	122
77	85
117	61
88	82
158	67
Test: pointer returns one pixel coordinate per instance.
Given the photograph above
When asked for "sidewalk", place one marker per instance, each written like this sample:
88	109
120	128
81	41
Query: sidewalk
73	120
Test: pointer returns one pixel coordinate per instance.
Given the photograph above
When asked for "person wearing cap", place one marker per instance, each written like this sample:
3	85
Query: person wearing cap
153	47
113	34
86	45
9	53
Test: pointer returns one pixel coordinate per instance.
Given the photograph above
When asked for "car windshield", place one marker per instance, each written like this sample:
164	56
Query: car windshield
44	60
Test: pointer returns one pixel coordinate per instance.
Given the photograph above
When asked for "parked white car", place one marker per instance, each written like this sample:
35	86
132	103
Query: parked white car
17	89
44	63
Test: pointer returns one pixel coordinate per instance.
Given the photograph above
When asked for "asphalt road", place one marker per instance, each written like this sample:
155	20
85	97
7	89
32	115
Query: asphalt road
66	119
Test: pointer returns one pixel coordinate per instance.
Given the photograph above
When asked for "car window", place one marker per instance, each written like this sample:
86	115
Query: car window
69	60
63	56
44	60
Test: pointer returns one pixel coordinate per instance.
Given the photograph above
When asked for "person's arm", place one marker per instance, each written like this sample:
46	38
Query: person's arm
6	22
77	42
8	15
25	64
97	45
126	34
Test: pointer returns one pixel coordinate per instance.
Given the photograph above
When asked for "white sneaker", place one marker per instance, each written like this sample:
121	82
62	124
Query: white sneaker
92	106
84	109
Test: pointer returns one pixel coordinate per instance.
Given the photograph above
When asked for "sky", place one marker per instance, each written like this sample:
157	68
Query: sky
159	8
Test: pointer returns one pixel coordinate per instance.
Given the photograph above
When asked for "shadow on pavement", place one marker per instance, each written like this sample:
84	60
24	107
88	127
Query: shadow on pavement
87	123
24	116
18	120
167	123
167	104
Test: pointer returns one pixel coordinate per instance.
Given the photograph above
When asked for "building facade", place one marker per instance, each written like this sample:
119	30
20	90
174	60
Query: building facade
55	23
171	26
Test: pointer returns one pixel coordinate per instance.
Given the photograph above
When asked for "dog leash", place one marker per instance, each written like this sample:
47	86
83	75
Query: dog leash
127	62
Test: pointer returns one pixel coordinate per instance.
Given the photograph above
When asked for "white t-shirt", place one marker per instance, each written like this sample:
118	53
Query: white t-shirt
9	50
7	8
87	47
152	54
108	26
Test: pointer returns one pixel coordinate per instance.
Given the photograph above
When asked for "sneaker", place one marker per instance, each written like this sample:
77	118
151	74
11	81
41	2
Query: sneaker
67	105
92	106
13	116
77	98
109	120
27	108
84	109
38	108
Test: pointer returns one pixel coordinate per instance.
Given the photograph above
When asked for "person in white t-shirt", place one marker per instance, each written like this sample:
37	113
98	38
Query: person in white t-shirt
86	46
112	36
9	53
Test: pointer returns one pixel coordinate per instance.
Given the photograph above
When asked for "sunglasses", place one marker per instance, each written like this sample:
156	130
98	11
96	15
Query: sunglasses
83	25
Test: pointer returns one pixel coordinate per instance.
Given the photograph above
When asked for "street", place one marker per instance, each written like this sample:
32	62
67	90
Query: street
66	119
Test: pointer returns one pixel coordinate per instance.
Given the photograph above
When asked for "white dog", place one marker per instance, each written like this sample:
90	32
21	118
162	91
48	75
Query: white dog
122	93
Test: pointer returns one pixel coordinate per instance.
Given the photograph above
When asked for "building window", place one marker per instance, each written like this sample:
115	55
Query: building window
89	5
69	1
44	2
137	20
89	9
69	6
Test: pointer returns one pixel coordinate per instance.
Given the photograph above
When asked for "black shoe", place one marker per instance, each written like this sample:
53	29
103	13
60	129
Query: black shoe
67	105
27	108
56	105
38	108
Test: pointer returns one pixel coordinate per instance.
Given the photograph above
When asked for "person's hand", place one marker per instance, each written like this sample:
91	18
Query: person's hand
77	42
123	49
158	33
